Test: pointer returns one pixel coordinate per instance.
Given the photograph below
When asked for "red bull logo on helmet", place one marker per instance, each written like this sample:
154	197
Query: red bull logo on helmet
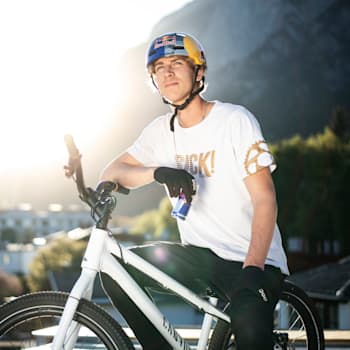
165	41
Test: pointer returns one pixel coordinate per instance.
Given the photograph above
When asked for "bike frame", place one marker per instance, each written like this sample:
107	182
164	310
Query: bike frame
100	257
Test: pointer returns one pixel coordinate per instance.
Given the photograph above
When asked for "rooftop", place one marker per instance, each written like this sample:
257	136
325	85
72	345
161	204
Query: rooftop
327	282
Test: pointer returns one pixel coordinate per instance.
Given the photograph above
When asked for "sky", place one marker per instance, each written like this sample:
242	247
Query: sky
58	67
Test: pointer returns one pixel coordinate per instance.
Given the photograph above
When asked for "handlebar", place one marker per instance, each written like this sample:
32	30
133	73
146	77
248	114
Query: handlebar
100	206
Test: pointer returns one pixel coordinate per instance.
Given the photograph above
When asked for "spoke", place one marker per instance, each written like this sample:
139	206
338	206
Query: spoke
230	346
296	321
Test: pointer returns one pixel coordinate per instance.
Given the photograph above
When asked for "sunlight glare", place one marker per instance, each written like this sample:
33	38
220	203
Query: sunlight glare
59	71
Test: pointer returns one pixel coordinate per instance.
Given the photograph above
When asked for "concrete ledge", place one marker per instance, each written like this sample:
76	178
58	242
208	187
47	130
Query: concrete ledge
331	336
337	336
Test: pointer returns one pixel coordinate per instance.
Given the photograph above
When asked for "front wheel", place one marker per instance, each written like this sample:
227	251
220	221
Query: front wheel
297	324
30	321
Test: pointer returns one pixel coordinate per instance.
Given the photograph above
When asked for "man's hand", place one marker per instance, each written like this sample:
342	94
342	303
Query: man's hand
252	279
177	181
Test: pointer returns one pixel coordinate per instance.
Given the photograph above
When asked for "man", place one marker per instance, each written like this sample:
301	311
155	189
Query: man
230	241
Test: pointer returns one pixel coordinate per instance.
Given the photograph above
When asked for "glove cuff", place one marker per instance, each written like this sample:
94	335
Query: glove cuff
159	174
252	268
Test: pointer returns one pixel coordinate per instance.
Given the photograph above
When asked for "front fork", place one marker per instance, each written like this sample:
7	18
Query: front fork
68	330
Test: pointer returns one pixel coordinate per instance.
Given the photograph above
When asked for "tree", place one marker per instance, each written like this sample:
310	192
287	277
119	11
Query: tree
340	123
9	234
312	186
167	226
27	236
145	223
157	223
59	254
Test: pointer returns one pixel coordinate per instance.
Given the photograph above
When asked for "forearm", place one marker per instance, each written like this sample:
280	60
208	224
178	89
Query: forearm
126	171
263	225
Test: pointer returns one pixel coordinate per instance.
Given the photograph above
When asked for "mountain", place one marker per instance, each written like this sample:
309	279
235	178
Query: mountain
288	61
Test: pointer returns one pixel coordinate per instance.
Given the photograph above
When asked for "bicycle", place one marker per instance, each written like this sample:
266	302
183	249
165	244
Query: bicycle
72	321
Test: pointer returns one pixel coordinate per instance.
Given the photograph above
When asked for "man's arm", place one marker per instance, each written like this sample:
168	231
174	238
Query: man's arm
127	171
130	173
262	192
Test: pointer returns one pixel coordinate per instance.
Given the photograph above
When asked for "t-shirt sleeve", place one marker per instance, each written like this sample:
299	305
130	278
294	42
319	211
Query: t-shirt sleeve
252	151
144	147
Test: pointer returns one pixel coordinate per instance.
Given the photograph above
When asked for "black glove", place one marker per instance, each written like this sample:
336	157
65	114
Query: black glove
252	279
177	181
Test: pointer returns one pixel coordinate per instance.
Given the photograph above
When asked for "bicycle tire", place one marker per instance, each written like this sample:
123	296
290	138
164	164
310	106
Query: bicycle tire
304	325
25	323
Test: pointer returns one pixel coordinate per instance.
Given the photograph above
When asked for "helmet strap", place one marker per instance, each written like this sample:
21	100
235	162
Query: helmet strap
184	105
189	99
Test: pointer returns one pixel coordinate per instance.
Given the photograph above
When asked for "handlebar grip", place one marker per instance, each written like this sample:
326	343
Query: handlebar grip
110	186
72	148
121	189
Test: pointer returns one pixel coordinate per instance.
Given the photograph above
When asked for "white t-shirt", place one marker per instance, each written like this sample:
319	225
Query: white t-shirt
219	152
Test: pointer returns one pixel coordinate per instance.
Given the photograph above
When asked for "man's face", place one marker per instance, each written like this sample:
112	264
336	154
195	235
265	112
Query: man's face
173	76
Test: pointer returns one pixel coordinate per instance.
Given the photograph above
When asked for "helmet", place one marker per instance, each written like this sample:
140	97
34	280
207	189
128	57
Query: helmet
172	44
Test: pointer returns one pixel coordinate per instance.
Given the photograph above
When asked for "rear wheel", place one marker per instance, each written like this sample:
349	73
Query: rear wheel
297	324
30	321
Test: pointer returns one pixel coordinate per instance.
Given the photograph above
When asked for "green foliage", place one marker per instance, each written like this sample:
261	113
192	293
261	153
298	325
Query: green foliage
59	254
145	223
340	123
167	223
12	235
157	224
312	187
9	234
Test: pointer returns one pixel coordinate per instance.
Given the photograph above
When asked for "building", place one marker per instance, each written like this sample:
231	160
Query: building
24	221
18	227
329	286
16	258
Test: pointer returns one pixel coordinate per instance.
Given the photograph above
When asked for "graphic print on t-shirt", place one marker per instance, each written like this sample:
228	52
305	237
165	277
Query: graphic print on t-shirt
258	157
202	163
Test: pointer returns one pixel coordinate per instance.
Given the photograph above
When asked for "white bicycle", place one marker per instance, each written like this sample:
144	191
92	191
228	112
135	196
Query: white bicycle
58	320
